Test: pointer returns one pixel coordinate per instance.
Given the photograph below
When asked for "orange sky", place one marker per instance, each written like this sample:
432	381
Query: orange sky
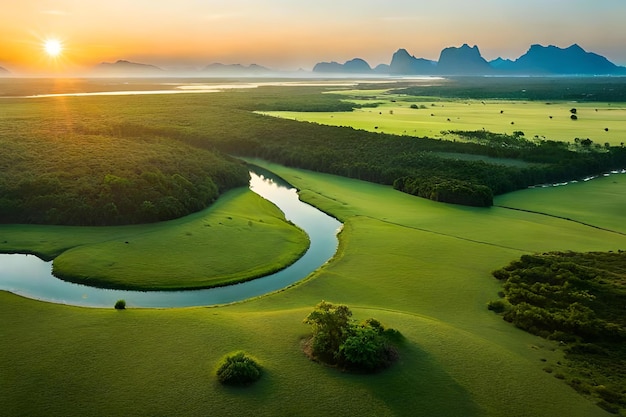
285	34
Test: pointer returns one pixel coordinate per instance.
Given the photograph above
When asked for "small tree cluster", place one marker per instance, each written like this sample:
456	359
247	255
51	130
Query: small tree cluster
238	369
339	340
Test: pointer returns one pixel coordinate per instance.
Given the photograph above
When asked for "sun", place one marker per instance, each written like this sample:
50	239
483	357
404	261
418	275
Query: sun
53	47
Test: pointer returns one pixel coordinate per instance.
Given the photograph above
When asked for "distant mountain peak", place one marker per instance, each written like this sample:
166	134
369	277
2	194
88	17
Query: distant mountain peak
122	67
573	60
404	63
353	66
465	60
236	69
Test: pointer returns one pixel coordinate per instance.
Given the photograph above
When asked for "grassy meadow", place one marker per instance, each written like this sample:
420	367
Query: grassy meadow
421	267
418	266
195	251
435	115
606	196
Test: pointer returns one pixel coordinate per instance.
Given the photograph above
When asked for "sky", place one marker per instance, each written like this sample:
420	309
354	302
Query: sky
289	34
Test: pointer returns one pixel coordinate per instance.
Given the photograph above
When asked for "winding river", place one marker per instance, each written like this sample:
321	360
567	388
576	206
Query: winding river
29	276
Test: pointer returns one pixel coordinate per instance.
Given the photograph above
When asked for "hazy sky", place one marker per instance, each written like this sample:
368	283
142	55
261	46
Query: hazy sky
288	34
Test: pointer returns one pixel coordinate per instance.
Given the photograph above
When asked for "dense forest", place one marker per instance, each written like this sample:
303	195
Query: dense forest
385	158
131	159
75	178
585	89
578	300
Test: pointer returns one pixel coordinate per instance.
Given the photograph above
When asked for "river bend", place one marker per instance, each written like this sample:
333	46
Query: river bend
29	276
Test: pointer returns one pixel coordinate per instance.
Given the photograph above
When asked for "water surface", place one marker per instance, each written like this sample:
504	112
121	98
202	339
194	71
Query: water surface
29	276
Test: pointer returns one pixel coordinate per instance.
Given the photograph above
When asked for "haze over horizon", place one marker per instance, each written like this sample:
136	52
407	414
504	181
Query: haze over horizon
279	34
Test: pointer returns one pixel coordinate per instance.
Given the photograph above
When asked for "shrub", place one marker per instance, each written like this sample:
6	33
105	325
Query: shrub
120	305
331	325
497	306
364	349
338	340
238	369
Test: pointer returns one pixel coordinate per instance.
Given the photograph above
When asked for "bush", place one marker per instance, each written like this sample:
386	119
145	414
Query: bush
120	305
364	349
446	190
497	306
238	369
338	340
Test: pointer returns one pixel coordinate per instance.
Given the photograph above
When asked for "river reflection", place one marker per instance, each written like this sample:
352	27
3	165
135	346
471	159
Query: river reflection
31	277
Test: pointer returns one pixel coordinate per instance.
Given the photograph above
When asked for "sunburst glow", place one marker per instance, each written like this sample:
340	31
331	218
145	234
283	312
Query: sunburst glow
53	47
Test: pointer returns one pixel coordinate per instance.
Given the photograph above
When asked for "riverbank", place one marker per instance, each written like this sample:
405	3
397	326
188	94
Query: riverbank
192	252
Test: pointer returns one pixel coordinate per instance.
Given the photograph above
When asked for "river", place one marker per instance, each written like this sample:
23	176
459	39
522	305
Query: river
29	276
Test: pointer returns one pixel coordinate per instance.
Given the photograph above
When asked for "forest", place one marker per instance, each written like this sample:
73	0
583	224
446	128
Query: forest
577	299
163	158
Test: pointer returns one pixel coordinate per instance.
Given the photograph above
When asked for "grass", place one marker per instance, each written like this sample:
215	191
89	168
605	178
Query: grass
600	202
394	115
195	251
417	266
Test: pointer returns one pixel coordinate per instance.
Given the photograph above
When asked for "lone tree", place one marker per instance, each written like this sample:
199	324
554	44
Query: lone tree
338	340
331	326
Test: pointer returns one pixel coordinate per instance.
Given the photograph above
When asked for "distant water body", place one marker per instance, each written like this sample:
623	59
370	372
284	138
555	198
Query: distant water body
125	88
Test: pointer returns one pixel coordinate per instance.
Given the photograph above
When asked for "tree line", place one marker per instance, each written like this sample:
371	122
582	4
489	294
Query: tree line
125	159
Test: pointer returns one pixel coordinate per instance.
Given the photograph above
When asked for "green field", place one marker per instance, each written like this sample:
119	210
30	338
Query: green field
421	267
195	251
394	115
573	201
418	266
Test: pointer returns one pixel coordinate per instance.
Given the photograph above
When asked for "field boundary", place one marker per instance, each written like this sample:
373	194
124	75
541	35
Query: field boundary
569	219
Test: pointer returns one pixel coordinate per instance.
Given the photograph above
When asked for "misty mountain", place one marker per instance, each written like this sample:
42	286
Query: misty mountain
402	63
465	60
500	64
122	67
354	66
382	69
4	71
218	69
573	60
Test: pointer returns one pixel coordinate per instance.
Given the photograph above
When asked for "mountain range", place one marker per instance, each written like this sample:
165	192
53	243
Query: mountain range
463	60
466	60
123	67
237	69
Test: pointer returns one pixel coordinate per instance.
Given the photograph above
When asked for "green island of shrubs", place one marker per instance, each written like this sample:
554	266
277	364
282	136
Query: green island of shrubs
339	341
446	190
576	299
